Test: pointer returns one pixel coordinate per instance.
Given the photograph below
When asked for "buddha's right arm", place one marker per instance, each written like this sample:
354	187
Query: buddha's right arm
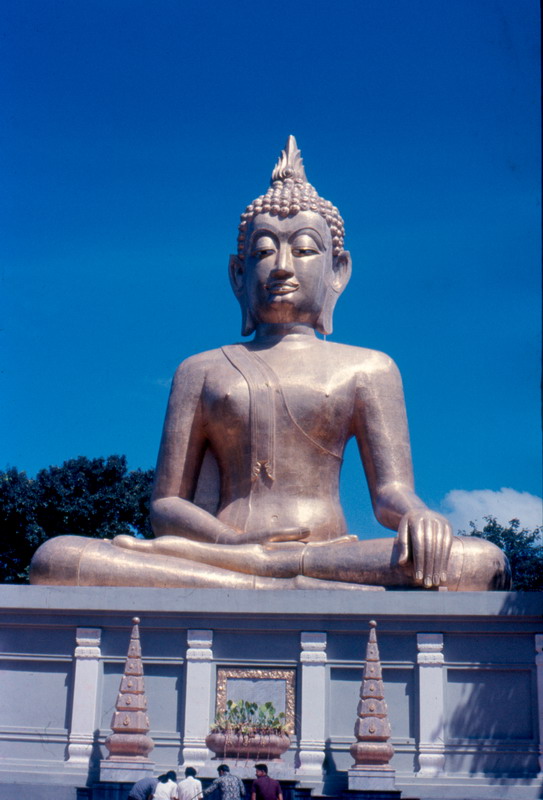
174	516
181	453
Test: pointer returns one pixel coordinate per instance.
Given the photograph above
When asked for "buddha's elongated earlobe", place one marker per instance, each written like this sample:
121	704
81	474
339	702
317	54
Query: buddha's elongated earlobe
324	321
338	279
248	325
236	272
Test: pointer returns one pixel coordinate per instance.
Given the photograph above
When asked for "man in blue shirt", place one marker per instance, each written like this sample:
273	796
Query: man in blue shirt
143	789
230	786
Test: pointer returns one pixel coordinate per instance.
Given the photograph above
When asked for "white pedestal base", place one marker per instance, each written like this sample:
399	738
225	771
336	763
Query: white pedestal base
125	771
372	779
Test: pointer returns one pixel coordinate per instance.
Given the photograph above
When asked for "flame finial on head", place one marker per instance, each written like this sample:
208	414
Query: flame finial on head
289	193
290	164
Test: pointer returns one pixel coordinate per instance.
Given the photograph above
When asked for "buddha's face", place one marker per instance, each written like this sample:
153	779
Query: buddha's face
288	269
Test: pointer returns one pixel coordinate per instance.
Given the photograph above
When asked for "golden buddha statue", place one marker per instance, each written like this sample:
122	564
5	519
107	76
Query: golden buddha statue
274	415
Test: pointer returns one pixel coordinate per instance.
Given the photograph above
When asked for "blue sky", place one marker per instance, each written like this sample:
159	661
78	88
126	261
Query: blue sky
135	133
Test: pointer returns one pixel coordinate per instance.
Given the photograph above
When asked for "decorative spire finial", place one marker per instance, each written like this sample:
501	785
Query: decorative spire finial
372	728
290	164
130	724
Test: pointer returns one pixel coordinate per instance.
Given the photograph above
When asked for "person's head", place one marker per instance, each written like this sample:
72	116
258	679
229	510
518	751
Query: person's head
290	266
222	769
190	772
261	770
171	775
163	778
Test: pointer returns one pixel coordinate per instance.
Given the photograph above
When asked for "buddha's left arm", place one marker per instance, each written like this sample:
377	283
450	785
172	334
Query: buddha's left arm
383	439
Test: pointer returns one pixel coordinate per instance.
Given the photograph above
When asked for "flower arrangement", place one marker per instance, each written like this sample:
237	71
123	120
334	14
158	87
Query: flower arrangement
248	718
246	729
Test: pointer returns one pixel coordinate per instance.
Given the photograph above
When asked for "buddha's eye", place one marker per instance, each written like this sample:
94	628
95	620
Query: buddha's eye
263	246
304	245
262	252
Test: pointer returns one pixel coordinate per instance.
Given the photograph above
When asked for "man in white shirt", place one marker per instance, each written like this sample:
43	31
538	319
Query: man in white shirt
190	788
166	788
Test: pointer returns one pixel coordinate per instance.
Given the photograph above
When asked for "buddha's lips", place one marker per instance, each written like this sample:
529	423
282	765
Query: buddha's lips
282	287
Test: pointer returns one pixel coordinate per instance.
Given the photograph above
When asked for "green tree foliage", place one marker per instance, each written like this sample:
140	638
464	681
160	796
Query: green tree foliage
95	497
523	548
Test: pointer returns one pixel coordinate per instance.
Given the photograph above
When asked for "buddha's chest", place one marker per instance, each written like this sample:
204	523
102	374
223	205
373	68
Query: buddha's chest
313	399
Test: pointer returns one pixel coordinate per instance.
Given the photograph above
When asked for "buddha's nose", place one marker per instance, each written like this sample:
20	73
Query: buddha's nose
283	262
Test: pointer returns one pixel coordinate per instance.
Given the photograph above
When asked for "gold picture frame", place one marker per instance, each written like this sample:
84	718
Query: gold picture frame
287	677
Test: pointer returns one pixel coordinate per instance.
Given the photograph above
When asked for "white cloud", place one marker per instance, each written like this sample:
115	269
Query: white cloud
462	507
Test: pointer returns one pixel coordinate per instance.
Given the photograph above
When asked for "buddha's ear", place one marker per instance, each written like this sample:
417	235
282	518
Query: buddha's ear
236	272
339	278
341	271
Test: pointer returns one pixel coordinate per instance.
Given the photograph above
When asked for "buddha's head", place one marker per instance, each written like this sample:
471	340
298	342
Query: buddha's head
290	265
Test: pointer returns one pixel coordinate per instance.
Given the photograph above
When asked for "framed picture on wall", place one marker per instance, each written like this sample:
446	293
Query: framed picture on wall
260	686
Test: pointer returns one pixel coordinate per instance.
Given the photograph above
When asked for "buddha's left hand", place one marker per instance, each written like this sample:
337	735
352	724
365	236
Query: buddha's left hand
427	537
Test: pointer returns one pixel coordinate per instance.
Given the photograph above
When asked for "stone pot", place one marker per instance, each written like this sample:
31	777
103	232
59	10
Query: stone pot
267	747
128	746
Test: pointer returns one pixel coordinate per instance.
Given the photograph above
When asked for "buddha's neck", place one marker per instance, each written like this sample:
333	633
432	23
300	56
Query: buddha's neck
266	333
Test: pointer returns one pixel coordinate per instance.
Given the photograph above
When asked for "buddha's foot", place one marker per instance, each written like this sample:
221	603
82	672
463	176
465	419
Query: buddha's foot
134	543
304	582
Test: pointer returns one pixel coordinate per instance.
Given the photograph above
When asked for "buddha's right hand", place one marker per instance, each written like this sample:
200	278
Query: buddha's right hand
274	535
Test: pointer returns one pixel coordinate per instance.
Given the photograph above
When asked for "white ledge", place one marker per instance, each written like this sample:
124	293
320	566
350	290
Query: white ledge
294	603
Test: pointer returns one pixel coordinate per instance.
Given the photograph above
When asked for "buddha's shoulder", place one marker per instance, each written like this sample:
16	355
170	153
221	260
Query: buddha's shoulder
360	359
199	364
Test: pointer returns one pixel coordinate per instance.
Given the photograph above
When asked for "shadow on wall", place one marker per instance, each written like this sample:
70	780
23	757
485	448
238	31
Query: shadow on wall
180	690
96	756
493	727
335	782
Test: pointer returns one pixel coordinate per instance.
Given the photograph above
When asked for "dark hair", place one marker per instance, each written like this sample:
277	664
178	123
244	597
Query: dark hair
262	768
223	768
163	779
171	775
190	771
